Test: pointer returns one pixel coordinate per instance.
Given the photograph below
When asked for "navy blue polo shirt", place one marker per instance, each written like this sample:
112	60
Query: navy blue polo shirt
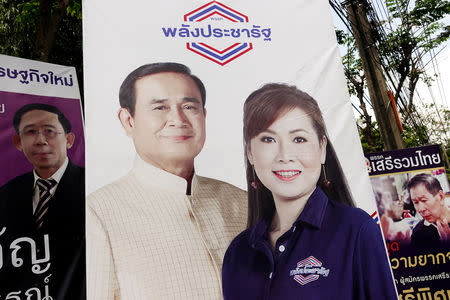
332	251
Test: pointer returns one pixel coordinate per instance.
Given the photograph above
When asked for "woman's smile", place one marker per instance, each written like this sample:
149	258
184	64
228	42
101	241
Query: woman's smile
287	175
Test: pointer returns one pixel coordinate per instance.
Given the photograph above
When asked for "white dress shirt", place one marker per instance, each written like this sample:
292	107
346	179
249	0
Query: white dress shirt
56	176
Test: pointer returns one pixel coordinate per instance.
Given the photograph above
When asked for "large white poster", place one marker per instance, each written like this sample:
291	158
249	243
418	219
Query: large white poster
148	214
234	47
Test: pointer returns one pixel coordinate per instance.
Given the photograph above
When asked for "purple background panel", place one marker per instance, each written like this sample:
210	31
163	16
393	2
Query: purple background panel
12	161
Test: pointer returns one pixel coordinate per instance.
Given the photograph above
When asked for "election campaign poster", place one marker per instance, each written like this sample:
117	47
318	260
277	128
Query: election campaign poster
41	182
234	47
168	147
413	198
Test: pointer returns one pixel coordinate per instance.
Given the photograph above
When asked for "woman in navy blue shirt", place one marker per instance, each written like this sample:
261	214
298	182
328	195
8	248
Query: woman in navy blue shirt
305	240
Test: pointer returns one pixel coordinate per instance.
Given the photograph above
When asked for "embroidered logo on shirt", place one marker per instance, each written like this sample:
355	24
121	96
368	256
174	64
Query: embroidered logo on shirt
308	270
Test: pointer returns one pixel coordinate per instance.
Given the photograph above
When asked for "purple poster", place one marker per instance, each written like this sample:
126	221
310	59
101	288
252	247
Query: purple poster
413	199
42	182
9	104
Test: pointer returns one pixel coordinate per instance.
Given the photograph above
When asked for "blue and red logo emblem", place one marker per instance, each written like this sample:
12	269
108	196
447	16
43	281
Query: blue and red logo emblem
308	270
217	32
374	216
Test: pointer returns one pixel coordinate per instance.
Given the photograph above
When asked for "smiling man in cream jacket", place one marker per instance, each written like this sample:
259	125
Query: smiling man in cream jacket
161	231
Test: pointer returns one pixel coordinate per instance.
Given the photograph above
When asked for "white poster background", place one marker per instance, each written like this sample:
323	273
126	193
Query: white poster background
302	51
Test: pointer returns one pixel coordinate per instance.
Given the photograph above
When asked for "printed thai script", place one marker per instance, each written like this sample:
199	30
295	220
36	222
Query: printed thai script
418	160
424	294
411	279
393	246
33	75
376	157
31	293
39	265
310	270
186	31
420	260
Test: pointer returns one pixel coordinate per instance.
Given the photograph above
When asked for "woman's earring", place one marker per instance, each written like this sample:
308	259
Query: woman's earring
325	181
254	183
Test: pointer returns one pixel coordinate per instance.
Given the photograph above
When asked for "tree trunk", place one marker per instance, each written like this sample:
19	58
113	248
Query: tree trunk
46	27
376	84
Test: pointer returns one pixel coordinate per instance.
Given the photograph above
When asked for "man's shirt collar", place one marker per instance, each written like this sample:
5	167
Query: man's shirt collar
151	176
57	175
426	223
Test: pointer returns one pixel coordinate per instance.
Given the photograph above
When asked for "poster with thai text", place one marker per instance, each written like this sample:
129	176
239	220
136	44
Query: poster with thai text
167	165
413	199
42	245
234	47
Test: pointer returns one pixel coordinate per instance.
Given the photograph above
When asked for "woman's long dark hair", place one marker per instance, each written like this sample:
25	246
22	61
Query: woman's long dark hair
261	109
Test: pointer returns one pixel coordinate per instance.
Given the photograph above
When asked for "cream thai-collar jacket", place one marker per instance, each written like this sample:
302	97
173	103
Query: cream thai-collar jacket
147	239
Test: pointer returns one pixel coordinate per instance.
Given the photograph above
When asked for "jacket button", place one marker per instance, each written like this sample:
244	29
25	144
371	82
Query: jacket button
281	248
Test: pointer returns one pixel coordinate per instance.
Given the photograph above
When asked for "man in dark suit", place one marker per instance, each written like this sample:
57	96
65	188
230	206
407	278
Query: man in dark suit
45	203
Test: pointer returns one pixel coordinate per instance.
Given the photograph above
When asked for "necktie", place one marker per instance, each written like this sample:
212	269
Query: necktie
44	197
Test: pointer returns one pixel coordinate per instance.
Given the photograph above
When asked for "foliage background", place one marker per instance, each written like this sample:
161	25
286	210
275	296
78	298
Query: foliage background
21	21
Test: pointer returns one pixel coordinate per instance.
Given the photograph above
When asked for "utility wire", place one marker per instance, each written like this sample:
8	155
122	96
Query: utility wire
380	35
439	79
